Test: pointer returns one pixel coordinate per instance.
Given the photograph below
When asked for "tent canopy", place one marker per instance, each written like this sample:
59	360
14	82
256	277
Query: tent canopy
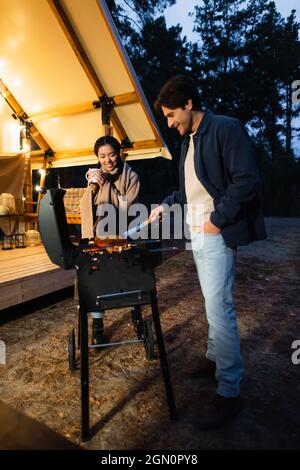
62	69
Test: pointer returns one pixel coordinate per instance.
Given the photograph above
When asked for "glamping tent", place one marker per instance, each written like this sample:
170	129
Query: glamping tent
65	79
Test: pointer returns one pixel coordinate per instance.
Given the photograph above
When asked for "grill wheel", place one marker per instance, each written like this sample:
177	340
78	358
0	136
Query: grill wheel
137	320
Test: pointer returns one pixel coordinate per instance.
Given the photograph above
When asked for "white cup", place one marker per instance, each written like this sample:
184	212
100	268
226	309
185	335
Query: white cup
90	175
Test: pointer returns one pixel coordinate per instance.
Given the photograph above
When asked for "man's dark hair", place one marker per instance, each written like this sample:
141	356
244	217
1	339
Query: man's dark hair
176	92
107	140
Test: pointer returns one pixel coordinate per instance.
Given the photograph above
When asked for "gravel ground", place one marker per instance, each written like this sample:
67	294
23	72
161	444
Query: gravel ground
127	400
282	243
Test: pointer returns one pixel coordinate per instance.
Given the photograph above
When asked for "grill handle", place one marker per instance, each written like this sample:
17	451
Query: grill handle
119	295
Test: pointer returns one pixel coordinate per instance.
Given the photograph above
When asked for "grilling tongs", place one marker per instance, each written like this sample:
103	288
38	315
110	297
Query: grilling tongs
137	228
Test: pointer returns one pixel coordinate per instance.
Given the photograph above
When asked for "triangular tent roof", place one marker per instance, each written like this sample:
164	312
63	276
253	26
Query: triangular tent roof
57	58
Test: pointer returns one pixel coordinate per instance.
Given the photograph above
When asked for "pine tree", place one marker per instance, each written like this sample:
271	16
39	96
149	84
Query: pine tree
221	25
289	57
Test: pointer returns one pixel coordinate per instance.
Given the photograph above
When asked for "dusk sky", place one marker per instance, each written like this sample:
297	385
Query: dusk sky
179	13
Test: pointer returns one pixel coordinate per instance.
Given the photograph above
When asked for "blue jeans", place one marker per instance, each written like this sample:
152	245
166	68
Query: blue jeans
215	264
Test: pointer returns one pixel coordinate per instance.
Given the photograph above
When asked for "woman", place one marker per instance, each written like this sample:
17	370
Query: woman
113	182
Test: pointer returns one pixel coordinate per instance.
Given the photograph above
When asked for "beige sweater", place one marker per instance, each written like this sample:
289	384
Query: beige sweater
200	203
126	186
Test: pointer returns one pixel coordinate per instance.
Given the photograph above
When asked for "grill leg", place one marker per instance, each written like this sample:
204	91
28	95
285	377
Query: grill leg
84	375
78	327
163	357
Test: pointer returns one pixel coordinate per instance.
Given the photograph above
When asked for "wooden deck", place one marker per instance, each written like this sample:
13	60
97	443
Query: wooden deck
28	273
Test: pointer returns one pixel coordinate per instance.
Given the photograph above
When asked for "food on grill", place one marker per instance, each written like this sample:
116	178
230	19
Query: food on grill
112	244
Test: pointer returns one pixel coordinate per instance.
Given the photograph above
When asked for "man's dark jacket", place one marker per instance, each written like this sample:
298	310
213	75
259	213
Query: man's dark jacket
225	164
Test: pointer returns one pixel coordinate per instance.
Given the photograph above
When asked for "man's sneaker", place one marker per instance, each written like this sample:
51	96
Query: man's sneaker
220	412
205	368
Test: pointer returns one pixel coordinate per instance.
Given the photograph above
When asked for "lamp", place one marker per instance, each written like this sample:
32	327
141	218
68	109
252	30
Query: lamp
7	242
20	240
40	189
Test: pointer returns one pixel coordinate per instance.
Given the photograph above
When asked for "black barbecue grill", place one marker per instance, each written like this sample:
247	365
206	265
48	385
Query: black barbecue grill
114	275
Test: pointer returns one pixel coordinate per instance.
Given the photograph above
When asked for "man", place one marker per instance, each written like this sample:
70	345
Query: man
217	173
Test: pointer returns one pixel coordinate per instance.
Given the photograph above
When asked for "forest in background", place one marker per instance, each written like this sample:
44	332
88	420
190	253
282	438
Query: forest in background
245	62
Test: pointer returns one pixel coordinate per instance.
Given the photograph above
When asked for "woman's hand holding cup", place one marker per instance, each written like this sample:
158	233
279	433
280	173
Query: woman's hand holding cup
94	176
